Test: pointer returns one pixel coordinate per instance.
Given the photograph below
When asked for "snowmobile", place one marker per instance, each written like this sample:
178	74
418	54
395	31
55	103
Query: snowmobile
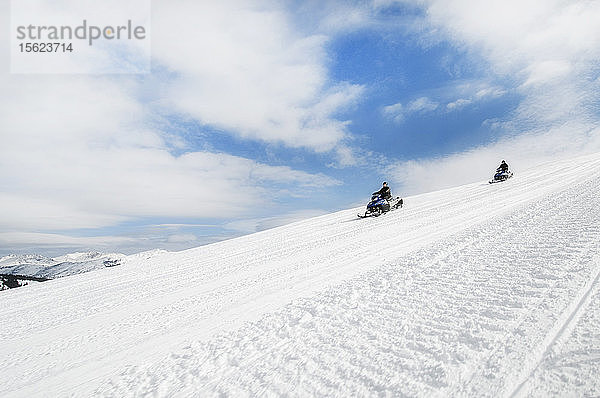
501	175
379	205
112	263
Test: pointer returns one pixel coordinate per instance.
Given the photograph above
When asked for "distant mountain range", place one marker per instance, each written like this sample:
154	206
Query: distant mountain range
38	266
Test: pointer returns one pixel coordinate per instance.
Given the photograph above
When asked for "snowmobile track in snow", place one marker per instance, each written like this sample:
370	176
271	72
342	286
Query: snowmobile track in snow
561	329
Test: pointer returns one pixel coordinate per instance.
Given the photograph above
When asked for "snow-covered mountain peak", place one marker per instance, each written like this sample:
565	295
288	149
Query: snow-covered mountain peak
80	256
19	259
33	265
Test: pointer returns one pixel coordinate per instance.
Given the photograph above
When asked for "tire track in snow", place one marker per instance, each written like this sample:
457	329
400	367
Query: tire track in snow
590	234
561	330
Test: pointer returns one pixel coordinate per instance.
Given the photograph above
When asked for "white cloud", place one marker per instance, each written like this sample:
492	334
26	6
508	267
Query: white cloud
242	68
489	92
108	185
395	112
35	239
56	244
471	92
541	46
25	212
545	71
339	17
422	104
182	238
399	112
457	95
78	152
86	151
458	104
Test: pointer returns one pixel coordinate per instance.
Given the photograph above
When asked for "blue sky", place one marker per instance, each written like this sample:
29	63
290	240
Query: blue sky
257	114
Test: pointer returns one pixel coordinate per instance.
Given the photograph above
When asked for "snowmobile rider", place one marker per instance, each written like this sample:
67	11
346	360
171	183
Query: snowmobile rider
503	167
385	191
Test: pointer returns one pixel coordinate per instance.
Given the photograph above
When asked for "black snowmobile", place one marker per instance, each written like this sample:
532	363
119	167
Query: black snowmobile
501	175
379	205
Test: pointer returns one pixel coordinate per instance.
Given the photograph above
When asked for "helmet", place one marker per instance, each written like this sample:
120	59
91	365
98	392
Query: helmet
384	183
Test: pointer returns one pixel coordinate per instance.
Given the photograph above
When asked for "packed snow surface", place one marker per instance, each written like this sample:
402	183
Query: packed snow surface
479	290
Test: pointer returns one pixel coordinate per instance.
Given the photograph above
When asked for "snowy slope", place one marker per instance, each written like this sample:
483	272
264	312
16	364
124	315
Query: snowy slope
479	290
45	267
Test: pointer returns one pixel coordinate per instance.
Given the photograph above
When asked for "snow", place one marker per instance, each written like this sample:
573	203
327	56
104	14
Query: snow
478	290
45	267
19	259
79	257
